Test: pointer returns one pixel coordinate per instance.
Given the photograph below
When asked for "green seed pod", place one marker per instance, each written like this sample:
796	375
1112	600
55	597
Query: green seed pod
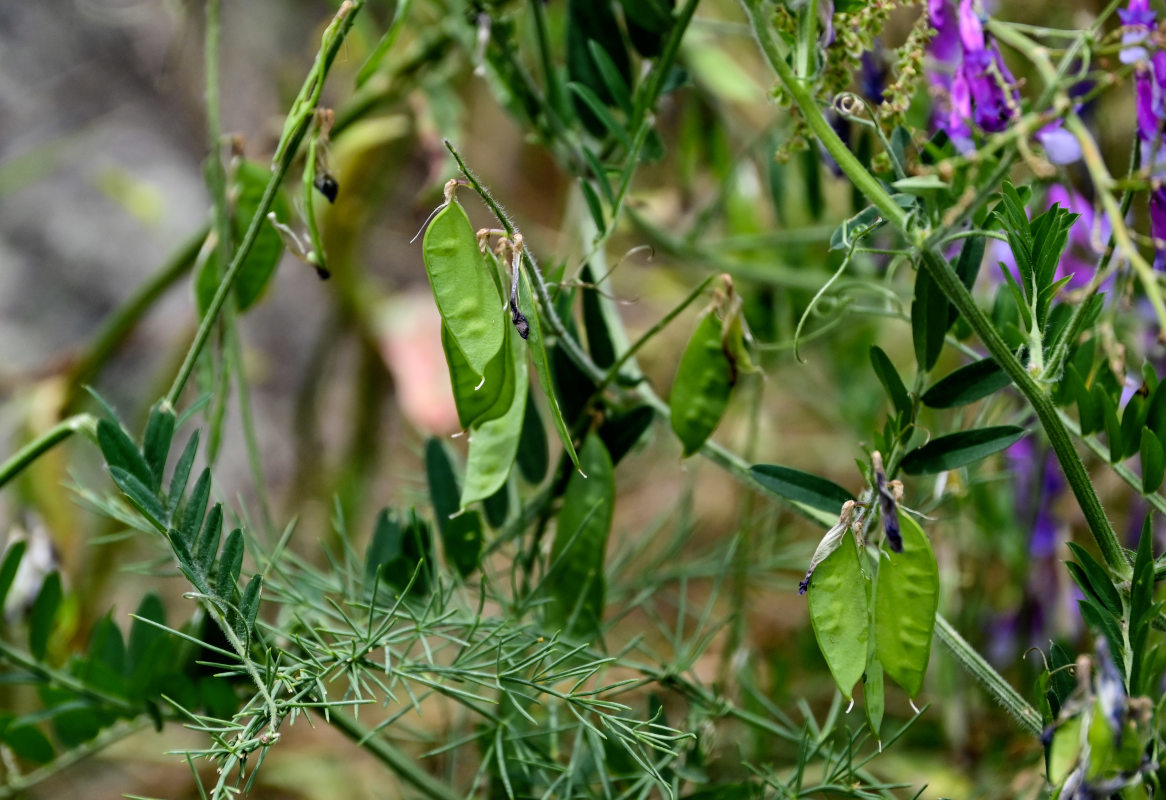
478	398
700	392
494	444
906	599
466	294
839	612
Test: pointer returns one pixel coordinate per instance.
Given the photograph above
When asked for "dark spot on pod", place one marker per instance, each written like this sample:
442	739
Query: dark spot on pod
516	316
323	273
521	325
327	186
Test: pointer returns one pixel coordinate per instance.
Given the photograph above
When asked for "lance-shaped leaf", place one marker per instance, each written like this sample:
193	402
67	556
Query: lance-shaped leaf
967	384
960	449
801	487
575	580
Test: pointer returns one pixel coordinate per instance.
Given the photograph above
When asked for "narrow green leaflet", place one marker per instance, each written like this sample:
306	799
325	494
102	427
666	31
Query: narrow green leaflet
839	612
575	578
156	440
44	611
28	742
538	354
874	698
478	397
960	449
121	452
461	534
929	319
967	384
466	295
801	487
889	377
700	391
10	565
494	444
533	458
905	601
1153	461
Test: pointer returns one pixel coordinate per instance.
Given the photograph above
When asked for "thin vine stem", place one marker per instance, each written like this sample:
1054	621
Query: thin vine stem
298	121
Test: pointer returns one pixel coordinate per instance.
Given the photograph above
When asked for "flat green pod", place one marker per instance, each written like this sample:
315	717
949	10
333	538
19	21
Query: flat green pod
467	296
494	443
839	614
906	599
700	392
478	397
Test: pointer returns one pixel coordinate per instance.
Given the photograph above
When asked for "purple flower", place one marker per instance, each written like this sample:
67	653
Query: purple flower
1158	226
1150	86
1137	20
981	90
1061	147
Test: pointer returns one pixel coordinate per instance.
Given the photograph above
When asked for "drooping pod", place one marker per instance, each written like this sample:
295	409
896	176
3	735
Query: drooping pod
466	293
839	611
716	355
906	600
700	391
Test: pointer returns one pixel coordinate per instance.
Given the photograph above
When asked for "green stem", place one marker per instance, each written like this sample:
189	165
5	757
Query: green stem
26	455
299	119
216	175
405	767
613	370
956	293
246	413
1155	499
65	681
15	785
974	663
1042	404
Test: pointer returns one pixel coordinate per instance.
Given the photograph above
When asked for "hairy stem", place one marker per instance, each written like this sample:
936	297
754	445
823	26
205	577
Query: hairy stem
973	662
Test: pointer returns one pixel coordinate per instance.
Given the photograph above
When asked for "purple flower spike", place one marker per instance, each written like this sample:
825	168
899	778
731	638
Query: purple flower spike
1158	226
1137	20
980	90
1150	85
